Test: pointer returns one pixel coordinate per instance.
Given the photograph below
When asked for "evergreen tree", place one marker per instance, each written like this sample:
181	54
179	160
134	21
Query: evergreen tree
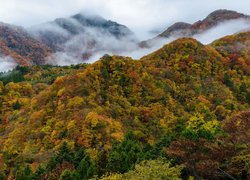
86	168
123	156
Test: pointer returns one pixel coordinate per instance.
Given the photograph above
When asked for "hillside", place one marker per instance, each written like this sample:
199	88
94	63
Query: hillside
186	102
18	44
236	49
182	29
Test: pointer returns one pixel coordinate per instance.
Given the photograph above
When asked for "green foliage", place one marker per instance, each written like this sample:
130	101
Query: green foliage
86	168
147	170
12	76
24	173
124	155
66	175
38	173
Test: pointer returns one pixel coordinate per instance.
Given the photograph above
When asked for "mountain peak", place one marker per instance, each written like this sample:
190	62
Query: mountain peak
224	14
182	29
179	26
89	20
217	17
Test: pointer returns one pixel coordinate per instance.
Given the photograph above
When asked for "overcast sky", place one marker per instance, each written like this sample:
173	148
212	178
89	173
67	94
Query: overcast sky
141	16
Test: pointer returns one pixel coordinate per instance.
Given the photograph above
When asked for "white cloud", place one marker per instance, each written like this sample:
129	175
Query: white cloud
207	37
140	15
7	64
223	29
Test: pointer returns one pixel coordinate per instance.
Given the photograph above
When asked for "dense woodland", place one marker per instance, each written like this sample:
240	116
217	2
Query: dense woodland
181	112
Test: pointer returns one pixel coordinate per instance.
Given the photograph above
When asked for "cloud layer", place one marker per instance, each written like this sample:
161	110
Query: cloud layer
6	64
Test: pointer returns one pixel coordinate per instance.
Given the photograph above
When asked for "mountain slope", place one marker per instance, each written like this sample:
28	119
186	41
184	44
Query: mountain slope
236	48
183	90
181	29
18	44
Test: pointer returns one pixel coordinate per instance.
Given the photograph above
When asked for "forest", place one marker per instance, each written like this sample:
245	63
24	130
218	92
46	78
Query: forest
181	112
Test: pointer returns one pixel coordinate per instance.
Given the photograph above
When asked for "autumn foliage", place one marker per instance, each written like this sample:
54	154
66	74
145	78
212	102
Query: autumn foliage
183	109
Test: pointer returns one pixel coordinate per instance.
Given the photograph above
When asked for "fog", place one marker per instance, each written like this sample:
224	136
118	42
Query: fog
7	64
207	37
223	29
82	42
109	45
90	46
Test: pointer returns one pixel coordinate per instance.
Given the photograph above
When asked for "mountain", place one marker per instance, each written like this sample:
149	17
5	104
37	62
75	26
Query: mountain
182	29
186	104
236	48
15	42
84	35
85	38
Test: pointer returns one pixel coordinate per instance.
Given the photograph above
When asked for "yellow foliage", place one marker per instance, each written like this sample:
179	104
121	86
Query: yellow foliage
46	130
59	80
100	130
60	92
211	126
196	122
71	125
1	87
24	101
75	102
59	126
168	122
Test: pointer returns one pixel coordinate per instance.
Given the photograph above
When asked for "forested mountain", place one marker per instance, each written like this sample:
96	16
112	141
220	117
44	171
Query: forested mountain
77	37
16	42
180	112
182	29
84	38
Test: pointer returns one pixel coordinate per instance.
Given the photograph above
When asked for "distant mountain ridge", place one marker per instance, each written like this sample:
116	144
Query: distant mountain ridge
82	37
18	44
182	29
76	25
82	34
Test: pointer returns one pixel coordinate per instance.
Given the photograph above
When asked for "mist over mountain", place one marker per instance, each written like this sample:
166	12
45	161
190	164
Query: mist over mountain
222	22
81	36
15	42
85	38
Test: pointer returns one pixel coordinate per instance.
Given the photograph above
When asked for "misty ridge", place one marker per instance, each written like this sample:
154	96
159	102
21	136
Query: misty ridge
82	37
222	29
86	38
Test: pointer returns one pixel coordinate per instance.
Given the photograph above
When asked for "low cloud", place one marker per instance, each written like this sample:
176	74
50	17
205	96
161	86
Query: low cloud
7	64
207	37
84	44
223	29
